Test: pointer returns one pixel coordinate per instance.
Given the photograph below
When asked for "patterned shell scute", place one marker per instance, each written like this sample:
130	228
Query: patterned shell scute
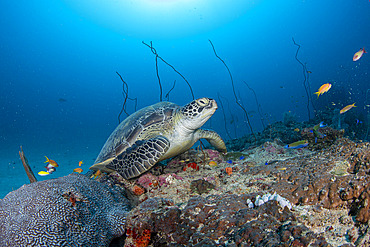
144	124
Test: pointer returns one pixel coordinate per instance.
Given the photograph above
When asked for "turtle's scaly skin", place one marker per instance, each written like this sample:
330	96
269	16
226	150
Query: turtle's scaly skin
156	133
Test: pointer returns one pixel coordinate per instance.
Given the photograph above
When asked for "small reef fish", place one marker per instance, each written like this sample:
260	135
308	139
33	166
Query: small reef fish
80	163
320	125
229	161
51	162
296	130
359	54
79	170
183	161
347	108
43	173
316	132
298	144
50	169
212	163
97	174
323	89
358	122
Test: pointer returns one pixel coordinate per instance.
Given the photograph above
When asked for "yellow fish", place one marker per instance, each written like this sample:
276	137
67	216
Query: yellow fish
298	144
296	130
183	161
347	108
323	89
282	168
79	170
43	173
359	54
51	162
212	163
80	163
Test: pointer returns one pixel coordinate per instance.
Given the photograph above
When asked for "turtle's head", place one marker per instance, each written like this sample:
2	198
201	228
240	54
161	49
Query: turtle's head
197	112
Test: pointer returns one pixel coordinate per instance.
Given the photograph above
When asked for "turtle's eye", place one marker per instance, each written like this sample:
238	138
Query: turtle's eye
203	102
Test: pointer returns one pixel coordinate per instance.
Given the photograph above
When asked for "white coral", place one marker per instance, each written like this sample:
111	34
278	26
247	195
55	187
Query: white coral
268	197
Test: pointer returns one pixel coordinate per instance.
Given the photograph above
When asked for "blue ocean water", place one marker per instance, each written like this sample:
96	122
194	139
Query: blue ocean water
60	95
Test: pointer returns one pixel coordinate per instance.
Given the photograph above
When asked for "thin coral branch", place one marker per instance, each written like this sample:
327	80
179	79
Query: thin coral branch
258	104
305	78
27	167
168	94
223	113
309	87
134	99
159	79
153	50
232	84
125	96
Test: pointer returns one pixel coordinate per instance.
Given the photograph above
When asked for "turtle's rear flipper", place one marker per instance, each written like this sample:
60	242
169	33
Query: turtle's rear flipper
140	157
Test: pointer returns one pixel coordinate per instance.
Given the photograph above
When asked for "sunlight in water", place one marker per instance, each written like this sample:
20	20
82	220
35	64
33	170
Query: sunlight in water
161	18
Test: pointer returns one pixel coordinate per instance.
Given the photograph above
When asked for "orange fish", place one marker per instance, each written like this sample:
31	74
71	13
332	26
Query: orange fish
51	162
98	173
323	89
80	163
79	170
347	108
359	54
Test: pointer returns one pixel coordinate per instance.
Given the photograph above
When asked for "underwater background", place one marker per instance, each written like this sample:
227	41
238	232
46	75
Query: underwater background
61	96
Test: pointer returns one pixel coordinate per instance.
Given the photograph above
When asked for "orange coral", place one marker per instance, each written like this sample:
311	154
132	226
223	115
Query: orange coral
229	170
144	239
137	190
136	239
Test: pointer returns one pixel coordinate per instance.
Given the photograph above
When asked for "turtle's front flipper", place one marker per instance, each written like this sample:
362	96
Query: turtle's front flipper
213	138
140	157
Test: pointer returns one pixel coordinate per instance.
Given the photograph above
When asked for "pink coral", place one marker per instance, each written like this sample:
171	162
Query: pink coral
166	179
214	155
146	180
273	148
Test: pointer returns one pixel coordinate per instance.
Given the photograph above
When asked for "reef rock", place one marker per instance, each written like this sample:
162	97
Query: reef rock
69	211
217	221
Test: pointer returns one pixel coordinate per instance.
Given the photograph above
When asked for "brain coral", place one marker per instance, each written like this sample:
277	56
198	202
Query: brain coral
69	211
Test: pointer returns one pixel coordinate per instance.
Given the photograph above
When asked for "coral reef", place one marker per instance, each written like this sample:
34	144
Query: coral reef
201	186
72	210
314	185
329	135
220	220
262	196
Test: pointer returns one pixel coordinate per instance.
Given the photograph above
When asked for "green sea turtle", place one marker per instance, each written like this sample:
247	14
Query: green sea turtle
156	133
